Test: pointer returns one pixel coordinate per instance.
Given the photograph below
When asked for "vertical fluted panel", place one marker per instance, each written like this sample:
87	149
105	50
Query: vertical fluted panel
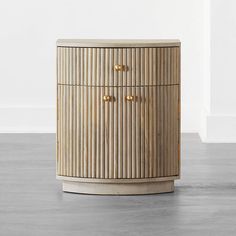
114	61
97	104
80	80
111	116
124	125
150	113
147	131
138	117
120	132
129	106
167	129
142	132
116	136
67	65
80	156
101	125
111	135
165	126
154	132
160	122
133	115
85	132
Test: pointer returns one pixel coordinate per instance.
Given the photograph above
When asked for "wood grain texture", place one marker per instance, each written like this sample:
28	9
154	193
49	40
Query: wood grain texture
120	138
87	66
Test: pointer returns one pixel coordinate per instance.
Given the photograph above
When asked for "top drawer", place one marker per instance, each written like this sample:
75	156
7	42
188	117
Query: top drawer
118	66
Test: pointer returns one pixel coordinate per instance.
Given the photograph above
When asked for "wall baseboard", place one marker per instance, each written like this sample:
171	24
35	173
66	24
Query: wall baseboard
37	130
218	128
28	119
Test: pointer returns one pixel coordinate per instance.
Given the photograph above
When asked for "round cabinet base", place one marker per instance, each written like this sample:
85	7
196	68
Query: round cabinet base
118	188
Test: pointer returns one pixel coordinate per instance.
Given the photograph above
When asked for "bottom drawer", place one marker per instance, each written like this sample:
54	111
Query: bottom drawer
118	132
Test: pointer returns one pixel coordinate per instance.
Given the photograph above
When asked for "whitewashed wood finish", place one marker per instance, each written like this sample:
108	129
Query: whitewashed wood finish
95	66
118	189
118	139
118	43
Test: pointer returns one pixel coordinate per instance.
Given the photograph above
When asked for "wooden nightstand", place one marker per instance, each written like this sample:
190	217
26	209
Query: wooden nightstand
118	115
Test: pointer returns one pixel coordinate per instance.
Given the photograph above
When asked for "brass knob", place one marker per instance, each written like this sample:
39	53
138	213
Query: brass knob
107	98
129	98
119	68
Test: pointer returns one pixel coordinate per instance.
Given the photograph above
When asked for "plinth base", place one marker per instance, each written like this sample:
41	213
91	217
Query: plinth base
118	188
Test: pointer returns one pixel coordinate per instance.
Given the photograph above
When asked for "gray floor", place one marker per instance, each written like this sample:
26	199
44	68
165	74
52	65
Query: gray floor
32	203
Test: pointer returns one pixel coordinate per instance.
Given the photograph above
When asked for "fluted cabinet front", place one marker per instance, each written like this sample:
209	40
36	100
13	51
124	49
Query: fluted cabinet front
118	118
118	138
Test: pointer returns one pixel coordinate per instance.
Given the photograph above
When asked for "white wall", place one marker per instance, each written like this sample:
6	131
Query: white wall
29	30
219	116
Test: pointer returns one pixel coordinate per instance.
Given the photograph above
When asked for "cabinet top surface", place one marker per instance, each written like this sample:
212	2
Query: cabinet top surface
116	43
